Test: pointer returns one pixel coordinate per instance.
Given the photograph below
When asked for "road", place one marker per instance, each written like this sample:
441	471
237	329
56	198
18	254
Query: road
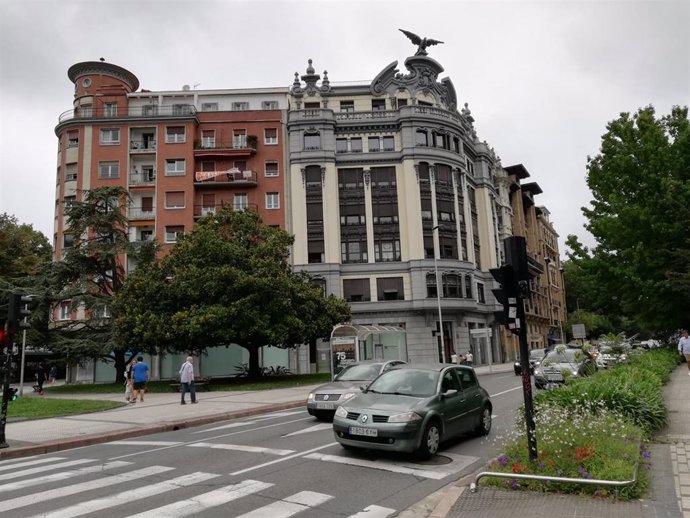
272	465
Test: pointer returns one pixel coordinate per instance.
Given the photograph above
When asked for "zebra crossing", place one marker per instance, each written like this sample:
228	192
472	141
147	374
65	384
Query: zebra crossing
83	476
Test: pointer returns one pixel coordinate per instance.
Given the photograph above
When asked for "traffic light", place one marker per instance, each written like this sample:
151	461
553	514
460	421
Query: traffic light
506	295
516	256
3	335
12	394
18	310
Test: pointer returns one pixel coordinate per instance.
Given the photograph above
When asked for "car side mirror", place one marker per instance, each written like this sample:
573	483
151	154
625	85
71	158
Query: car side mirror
449	393
363	388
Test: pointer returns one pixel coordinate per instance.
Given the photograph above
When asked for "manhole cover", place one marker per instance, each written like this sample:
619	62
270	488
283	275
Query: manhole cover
436	460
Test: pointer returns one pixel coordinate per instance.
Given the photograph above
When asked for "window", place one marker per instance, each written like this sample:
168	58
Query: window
69	201
347	106
470	167
480	293
181	109
67	241
101	312
146	235
86	110
208	166
356	290
383	177
374	145
313	177
240	165
175	167
109	170
239	138
353	251
314	212
350	179
431	285
402	102
240	106
387	250
65	311
208	138
468	286
269	105
174	200
467	378
147	204
452	286
312	141
315	251
421	138
172	232
110	109
209	107
150	110
390	288
110	136
174	134
272	200
72	139
312	106
240	202
378	104
341	145
389	143
356	145
70	172
270	136
271	169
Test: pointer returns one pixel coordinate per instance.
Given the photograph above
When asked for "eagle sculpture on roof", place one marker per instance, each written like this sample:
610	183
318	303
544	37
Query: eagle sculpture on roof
422	43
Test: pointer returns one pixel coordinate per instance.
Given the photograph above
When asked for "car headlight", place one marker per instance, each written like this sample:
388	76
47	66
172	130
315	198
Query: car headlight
537	364
341	412
310	397
348	395
573	372
537	372
407	417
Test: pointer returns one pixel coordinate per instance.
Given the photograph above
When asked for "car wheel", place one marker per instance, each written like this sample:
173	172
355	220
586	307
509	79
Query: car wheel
430	441
517	372
484	426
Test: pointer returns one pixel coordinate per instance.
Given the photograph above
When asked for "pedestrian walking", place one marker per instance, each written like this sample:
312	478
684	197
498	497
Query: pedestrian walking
40	378
469	359
52	375
684	347
140	375
187	380
129	381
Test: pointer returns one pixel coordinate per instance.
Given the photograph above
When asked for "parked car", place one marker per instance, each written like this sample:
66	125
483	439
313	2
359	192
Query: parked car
561	364
413	408
609	356
322	401
535	358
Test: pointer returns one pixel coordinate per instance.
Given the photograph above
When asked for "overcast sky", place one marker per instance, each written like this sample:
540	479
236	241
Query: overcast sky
542	78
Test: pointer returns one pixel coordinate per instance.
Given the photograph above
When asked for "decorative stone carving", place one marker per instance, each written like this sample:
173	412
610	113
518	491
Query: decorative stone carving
367	177
311	79
422	43
304	177
323	177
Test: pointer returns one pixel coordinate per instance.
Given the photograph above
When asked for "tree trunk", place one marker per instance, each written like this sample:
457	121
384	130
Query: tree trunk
121	362
254	369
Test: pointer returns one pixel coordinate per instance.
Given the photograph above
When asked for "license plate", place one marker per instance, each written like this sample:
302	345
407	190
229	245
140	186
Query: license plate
554	377
325	406
368	432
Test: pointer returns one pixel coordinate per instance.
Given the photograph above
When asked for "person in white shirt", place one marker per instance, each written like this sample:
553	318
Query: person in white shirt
187	380
684	347
469	359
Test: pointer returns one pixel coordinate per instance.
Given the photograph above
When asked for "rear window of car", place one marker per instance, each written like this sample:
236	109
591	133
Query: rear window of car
359	372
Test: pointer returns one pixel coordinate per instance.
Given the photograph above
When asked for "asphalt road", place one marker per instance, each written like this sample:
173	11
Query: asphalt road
273	465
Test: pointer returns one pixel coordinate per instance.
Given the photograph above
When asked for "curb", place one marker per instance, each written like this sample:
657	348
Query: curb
88	440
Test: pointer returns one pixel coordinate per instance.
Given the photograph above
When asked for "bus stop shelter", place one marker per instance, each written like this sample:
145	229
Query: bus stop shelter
351	343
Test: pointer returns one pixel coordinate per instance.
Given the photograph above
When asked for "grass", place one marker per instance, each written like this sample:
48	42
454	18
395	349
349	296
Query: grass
39	408
231	384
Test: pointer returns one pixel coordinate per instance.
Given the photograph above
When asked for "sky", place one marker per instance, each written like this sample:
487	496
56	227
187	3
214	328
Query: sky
542	79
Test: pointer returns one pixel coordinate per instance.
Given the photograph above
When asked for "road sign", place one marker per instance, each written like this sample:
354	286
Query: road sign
579	331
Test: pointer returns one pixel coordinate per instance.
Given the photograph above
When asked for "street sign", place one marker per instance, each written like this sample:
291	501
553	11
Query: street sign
579	331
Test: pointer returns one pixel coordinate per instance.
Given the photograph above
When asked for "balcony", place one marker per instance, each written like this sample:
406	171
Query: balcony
230	178
238	146
371	115
139	213
145	178
134	112
142	146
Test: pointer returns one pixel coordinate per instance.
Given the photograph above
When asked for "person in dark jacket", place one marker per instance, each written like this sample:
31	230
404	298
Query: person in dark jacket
40	377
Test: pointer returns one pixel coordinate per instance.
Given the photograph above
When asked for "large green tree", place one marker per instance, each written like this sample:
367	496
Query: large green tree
90	274
639	216
229	281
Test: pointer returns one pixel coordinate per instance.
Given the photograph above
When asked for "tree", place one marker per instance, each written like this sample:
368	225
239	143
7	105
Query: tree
90	275
640	182
227	282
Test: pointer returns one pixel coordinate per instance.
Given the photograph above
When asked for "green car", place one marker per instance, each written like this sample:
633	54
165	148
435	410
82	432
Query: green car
413	408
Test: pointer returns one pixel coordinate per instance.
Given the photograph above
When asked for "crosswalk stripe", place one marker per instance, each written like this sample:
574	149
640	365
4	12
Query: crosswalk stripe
19	459
315	428
289	506
31	471
373	511
139	493
29	463
240	447
145	443
231	425
424	473
206	500
23	501
62	475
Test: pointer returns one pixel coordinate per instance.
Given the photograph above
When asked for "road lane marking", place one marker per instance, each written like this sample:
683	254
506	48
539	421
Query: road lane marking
30	463
211	438
62	475
12	461
130	495
300	454
205	501
145	443
241	447
23	501
315	428
231	425
289	506
373	511
40	469
505	391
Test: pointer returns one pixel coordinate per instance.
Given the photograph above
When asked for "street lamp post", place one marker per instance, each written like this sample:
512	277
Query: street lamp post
438	293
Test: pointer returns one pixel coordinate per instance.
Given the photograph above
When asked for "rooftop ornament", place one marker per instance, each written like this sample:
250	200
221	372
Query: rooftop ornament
422	43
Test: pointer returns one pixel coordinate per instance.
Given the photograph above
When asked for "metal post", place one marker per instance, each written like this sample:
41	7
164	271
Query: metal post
21	369
439	287
526	382
5	398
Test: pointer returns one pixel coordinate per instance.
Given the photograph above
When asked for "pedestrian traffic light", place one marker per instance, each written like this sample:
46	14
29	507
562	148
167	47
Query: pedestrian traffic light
12	394
3	335
18	312
506	295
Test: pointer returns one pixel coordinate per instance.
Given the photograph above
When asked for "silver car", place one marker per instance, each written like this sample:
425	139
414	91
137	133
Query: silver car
322	401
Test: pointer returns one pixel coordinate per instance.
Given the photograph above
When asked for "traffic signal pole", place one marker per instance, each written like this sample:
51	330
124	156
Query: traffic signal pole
526	382
5	397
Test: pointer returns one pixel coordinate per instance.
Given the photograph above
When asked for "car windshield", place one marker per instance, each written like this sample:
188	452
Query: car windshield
407	382
361	372
567	356
536	354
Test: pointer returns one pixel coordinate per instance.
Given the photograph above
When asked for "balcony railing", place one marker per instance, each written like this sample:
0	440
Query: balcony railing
232	176
376	114
141	146
139	213
134	112
148	178
237	143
